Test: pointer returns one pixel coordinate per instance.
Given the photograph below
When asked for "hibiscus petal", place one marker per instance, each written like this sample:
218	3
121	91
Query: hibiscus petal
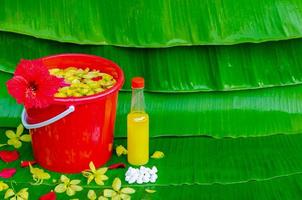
49	196
26	163
24	68
25	138
19	130
7	172
9	156
17	88
117	165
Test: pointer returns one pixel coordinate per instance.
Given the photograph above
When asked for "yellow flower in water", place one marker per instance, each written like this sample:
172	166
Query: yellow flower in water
22	194
68	186
3	186
120	150
95	174
158	155
16	139
118	192
38	174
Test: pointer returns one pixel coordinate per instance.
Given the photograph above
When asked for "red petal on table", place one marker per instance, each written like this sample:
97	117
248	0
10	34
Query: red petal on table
49	196
7	172
117	165
25	163
9	156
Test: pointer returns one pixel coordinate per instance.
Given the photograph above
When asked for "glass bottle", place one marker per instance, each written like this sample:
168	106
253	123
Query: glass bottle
138	126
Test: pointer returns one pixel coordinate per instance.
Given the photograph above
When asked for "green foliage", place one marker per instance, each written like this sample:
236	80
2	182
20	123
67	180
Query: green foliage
154	23
178	69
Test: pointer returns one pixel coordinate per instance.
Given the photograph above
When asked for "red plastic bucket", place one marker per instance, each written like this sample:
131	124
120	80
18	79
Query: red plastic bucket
71	132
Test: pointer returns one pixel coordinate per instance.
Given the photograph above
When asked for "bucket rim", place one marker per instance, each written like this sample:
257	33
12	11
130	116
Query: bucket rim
115	88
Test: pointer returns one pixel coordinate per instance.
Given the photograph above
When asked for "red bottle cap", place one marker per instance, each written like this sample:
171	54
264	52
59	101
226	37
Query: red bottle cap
138	82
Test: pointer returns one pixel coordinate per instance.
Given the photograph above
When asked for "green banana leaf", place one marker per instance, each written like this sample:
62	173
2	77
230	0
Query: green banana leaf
179	69
282	188
223	161
217	114
213	164
220	114
10	111
154	23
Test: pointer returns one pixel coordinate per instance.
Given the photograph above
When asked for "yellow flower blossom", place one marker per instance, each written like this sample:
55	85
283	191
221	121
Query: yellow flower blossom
12	195
16	139
120	150
38	174
68	186
3	186
118	192
158	155
95	174
91	195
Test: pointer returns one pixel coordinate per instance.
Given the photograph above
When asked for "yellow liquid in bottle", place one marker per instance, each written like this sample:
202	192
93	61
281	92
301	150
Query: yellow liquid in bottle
138	138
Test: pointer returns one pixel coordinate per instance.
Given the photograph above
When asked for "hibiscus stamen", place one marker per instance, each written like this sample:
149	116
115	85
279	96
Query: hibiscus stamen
33	86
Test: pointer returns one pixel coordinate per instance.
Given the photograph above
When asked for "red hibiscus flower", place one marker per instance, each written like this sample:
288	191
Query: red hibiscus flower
32	85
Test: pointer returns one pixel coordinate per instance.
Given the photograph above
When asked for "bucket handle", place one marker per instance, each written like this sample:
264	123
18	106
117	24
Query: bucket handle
69	110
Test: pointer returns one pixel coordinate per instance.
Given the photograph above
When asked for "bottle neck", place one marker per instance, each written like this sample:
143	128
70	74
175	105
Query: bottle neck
138	100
